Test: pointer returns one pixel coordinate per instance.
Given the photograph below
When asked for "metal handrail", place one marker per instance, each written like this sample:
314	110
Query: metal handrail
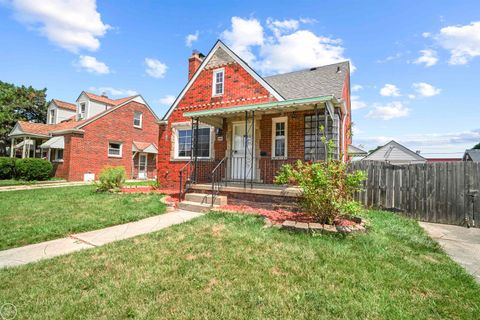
215	181
187	167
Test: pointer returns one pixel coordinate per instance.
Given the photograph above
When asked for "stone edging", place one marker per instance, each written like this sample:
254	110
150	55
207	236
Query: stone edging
323	228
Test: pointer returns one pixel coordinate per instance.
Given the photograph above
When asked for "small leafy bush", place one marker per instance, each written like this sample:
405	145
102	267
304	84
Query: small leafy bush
328	187
111	178
7	168
31	169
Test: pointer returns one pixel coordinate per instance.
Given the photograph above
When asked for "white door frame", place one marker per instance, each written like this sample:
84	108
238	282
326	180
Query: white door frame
145	171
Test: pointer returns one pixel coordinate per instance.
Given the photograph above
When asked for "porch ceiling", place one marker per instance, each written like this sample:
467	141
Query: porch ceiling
215	116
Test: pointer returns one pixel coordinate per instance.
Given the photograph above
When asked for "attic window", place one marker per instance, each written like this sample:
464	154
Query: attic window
82	111
218	82
52	116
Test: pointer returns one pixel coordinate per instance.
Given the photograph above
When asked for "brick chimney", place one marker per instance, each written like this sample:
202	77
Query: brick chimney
194	62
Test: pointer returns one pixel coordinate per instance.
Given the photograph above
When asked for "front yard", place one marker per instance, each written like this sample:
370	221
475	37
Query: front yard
227	266
31	216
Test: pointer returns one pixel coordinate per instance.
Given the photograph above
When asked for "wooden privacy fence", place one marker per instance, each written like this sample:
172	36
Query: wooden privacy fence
443	192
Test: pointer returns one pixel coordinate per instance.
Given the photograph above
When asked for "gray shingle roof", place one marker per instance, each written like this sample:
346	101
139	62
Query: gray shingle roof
473	153
313	82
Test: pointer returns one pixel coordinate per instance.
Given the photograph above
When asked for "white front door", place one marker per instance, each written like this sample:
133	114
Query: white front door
142	166
241	166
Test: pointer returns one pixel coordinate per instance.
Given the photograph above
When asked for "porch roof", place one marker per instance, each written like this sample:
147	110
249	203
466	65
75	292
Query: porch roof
270	106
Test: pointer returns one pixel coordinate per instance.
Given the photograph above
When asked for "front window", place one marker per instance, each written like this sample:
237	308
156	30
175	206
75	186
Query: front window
314	147
218	81
114	149
52	116
137	119
82	111
279	137
57	154
184	143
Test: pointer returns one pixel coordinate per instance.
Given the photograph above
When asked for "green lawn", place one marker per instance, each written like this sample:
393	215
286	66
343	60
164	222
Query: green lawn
226	266
12	182
31	216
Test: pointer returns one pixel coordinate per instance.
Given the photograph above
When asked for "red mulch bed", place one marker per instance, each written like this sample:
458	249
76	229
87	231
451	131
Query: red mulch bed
280	215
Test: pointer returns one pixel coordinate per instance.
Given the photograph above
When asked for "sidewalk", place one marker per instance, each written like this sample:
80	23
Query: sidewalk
460	243
92	239
44	185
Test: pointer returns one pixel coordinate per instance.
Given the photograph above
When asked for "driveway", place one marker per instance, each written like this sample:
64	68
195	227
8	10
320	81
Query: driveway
460	243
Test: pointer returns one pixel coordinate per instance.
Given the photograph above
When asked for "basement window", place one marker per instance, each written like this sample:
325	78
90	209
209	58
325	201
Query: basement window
218	82
115	149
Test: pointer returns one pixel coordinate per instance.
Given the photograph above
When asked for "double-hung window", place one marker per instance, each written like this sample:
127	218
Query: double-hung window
56	155
314	147
218	82
82	112
52	116
115	149
279	137
137	119
183	149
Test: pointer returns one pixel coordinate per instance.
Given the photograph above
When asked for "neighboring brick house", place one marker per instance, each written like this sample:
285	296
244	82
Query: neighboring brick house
248	125
82	138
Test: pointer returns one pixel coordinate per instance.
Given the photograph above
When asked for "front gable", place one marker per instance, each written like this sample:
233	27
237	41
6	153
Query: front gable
242	85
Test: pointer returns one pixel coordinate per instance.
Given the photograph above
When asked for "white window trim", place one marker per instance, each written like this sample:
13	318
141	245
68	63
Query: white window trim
214	82
115	155
176	128
274	122
85	115
54	154
54	116
141	119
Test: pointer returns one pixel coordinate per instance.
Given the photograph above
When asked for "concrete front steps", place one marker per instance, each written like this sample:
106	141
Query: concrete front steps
201	202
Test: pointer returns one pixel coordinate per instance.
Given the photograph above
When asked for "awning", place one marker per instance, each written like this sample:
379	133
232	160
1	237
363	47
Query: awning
57	142
146	147
211	116
26	142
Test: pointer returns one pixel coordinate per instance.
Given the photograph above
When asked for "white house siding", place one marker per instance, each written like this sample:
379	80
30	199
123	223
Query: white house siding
93	107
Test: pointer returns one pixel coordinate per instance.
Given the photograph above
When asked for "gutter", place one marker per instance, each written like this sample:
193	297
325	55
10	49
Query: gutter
64	131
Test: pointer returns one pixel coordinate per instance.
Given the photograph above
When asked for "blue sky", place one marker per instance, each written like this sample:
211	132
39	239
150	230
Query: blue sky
416	62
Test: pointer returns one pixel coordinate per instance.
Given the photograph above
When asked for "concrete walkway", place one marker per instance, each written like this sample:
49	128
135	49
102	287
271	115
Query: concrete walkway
92	239
44	185
460	243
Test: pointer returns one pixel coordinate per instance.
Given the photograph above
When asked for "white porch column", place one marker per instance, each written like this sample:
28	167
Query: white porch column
24	147
12	147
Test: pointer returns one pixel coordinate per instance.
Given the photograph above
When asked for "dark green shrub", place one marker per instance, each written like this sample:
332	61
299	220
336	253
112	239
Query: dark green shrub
7	168
111	178
33	169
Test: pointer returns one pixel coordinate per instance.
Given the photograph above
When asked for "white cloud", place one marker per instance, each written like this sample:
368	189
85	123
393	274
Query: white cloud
425	89
167	100
72	25
244	34
155	68
356	87
92	65
428	57
114	91
390	90
448	144
389	111
287	48
191	38
426	34
357	103
411	96
463	42
390	58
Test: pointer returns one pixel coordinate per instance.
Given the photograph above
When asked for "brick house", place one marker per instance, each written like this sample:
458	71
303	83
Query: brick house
246	126
83	137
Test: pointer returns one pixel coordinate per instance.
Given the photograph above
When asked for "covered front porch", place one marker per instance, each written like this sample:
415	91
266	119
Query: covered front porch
251	143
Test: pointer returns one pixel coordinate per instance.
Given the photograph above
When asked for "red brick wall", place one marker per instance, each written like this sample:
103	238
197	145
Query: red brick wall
240	88
88	153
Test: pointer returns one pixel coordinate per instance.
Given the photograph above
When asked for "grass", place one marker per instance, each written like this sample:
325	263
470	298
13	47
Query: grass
226	266
12	182
31	216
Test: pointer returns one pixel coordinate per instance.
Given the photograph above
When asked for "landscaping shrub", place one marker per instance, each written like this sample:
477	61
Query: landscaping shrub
7	168
111	178
33	169
328	186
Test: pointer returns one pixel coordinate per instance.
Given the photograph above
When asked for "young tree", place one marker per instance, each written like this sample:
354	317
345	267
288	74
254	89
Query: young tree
19	103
